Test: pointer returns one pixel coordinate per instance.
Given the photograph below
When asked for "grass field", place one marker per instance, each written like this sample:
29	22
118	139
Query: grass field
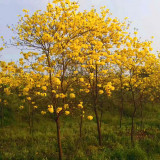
16	142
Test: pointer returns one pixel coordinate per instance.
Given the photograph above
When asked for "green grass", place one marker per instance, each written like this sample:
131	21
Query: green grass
17	143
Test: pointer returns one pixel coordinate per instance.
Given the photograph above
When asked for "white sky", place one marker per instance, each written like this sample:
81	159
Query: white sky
144	15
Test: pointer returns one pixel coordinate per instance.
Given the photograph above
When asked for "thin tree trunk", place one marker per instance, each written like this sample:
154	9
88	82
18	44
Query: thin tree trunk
122	100
95	108
59	138
121	109
98	127
133	115
101	118
141	114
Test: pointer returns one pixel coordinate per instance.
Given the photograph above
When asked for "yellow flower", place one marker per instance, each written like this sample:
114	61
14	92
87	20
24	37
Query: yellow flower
28	98
67	112
43	112
91	75
71	89
87	90
38	86
56	81
109	88
81	79
26	89
53	91
80	105
35	107
66	106
43	94
61	95
81	90
21	107
90	117
75	72
7	91
47	38
59	109
50	108
72	95
101	92
44	88
25	10
38	93
99	85
57	95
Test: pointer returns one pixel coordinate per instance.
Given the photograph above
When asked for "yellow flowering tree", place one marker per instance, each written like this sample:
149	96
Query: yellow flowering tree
7	84
130	61
58	35
95	60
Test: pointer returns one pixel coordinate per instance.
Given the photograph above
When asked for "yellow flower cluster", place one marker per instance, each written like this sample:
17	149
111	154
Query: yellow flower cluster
50	108
29	98
47	38
21	107
66	106
100	91
67	112
80	105
72	95
43	112
35	107
90	117
109	88
59	109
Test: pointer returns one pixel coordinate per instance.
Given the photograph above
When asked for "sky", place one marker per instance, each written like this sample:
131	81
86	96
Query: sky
144	15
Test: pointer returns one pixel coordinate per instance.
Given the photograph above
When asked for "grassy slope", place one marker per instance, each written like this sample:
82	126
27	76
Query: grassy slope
17	143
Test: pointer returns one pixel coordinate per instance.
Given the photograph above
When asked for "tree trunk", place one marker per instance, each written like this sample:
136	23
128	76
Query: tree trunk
132	129
133	115
59	138
141	115
101	118
98	127
95	99
122	99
